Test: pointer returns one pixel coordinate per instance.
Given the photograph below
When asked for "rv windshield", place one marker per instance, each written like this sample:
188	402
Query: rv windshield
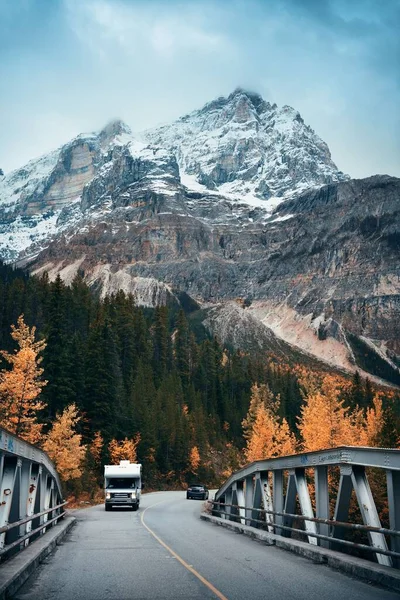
121	482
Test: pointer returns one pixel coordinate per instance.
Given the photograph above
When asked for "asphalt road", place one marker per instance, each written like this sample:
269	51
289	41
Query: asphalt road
164	551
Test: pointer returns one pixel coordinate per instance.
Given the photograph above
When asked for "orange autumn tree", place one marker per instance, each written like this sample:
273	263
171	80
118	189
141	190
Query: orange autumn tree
64	445
373	421
95	448
266	435
324	421
124	450
194	459
21	386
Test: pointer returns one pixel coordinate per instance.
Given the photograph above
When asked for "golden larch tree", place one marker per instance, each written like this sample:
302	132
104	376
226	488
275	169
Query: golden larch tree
96	447
370	432
324	421
64	445
261	395
266	435
194	459
21	386
124	450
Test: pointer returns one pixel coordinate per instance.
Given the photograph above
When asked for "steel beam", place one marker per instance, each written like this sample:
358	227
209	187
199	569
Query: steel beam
248	501
234	513
342	504
305	503
250	488
257	500
290	502
22	493
278	499
31	491
7	487
343	455
267	500
322	501
393	488
369	513
241	501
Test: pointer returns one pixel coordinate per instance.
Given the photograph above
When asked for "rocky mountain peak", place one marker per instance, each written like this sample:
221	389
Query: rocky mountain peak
253	98
244	146
113	129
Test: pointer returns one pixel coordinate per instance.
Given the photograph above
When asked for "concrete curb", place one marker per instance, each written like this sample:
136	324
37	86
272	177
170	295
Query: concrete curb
355	567
16	571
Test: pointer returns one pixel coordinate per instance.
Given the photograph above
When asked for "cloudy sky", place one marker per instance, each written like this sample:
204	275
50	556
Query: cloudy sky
69	66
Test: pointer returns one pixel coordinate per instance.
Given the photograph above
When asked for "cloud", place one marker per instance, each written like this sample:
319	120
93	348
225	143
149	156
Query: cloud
83	62
137	28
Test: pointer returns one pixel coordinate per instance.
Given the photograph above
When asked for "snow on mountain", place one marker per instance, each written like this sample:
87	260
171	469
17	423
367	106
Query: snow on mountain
46	197
242	146
234	160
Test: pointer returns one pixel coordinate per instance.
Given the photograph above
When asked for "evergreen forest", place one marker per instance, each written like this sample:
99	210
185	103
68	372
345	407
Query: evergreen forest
113	373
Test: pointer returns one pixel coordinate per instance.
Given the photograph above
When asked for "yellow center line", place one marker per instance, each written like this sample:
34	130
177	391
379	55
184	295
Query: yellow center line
175	555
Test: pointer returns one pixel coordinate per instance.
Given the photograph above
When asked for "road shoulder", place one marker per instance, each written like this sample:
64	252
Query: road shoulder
15	571
355	567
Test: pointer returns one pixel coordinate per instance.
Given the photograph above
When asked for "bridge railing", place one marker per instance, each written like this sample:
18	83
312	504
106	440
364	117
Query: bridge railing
31	497
275	494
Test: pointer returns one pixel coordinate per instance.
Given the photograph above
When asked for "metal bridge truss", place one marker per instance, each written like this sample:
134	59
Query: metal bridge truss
275	494
30	493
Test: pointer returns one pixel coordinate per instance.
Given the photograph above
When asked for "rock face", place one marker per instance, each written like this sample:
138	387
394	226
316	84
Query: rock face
237	200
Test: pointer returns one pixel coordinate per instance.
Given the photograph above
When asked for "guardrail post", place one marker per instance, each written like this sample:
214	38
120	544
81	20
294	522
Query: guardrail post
277	490
393	488
322	501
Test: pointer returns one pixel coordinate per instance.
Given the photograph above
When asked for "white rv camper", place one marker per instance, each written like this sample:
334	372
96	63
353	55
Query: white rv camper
122	484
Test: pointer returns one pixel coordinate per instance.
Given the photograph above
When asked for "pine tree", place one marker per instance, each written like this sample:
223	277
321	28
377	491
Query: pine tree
57	356
20	388
104	396
161	343
182	344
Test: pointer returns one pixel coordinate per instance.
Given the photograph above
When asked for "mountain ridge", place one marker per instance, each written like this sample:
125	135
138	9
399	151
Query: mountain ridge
239	199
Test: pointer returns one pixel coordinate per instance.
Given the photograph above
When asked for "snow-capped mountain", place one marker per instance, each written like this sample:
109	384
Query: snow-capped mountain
245	147
62	189
241	148
238	200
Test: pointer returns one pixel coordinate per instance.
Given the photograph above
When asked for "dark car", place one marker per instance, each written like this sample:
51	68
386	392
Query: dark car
198	491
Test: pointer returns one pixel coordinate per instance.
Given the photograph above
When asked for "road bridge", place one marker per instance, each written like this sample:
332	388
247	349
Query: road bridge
165	551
